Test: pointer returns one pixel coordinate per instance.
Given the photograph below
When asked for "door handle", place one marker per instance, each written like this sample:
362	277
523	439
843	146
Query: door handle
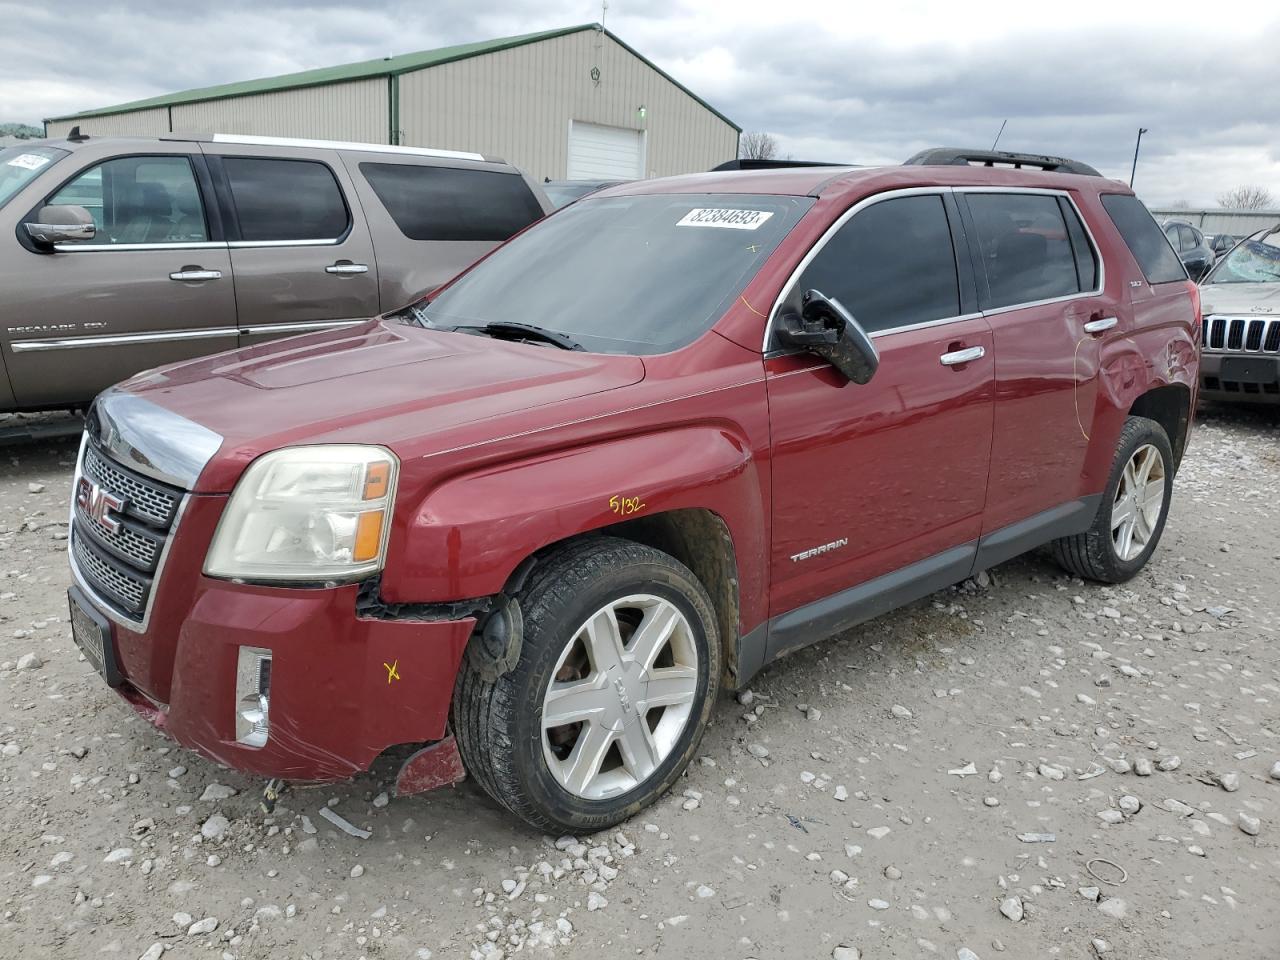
968	355
1101	325
345	268
195	275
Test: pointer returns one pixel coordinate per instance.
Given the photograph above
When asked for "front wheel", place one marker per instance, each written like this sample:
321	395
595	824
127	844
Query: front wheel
1132	514
614	684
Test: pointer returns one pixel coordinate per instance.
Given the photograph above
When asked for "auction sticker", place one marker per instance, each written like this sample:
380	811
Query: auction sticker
28	161
725	218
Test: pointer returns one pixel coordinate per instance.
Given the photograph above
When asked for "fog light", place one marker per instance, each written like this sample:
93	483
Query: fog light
253	696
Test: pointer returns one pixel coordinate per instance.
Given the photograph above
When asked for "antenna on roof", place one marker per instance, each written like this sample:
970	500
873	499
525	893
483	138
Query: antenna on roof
1000	134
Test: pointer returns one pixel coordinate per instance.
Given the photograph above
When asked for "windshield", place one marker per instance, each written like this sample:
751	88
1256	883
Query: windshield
636	275
1256	260
20	165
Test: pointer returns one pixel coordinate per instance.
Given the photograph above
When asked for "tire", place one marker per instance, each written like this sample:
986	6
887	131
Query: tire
538	774
1095	554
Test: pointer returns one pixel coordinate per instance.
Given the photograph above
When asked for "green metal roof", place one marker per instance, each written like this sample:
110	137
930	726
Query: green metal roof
384	67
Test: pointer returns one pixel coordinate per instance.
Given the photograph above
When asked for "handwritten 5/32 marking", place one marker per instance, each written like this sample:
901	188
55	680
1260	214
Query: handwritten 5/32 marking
625	506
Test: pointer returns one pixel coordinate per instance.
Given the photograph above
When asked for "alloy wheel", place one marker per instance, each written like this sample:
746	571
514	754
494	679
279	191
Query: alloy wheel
620	697
1135	513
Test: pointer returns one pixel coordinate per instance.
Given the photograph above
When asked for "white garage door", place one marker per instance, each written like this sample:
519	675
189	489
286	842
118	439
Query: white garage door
597	152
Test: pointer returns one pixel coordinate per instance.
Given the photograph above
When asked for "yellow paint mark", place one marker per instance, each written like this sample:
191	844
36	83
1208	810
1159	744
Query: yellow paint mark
393	671
750	307
625	506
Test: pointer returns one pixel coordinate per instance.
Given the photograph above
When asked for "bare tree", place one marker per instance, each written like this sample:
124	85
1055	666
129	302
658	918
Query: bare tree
1246	198
758	145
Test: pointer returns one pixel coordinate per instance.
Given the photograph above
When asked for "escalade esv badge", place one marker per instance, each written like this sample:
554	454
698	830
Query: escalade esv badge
98	505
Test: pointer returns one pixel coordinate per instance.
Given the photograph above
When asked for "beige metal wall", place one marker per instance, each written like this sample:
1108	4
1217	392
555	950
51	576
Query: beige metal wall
338	111
140	123
517	104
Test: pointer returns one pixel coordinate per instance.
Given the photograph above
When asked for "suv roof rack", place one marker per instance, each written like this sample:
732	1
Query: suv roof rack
747	163
960	157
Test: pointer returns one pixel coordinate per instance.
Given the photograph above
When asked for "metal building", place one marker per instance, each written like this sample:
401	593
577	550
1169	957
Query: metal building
1238	223
575	102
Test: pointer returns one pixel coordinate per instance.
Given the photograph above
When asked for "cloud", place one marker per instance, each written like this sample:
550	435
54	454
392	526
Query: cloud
847	82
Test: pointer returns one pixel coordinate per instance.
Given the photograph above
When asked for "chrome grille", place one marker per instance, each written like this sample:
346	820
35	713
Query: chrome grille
1247	334
120	565
127	591
147	500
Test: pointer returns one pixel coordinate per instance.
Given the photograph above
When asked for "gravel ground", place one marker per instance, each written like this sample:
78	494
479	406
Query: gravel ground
935	783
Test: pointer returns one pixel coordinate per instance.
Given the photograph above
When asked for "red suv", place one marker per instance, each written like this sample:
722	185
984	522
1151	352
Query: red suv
534	523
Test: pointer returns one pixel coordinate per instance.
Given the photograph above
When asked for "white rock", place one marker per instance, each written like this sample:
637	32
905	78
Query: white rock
964	953
1089	893
596	902
758	750
35	488
846	952
901	712
1129	805
30	661
1114	907
991	801
176	772
214	827
1169	764
201	927
1110	816
119	855
183	920
877	904
357	872
1099	945
878	833
1050	773
381	800
153	952
1250	825
840	793
1229	782
217	791
1143	767
704	891
1011	907
1275	771
968	770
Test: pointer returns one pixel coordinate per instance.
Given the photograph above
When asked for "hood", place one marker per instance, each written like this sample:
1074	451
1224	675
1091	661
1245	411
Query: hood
1241	299
380	382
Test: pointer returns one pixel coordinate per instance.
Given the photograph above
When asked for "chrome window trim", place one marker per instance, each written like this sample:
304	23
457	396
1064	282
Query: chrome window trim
1101	284
252	141
826	237
248	244
120	339
101	604
178	245
942	321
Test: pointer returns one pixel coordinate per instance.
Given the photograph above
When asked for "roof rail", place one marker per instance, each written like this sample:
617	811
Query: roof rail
958	156
747	163
255	141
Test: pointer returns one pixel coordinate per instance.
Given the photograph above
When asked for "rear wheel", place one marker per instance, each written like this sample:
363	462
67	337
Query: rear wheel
1132	514
614	683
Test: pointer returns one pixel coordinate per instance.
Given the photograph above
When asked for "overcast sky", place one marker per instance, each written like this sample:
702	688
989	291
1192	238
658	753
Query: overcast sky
831	80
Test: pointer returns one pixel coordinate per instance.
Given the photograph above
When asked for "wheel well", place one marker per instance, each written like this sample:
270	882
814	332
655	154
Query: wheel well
701	541
1171	408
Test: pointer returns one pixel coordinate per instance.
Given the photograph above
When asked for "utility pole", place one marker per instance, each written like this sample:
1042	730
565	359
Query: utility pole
1136	147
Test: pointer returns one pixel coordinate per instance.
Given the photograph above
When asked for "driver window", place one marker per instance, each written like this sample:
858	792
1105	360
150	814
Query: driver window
891	265
140	200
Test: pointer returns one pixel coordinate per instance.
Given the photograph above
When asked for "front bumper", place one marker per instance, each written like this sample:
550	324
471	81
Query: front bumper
1240	377
343	688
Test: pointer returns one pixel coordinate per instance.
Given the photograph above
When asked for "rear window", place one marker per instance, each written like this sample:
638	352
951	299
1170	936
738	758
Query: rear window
1144	238
286	199
1026	250
445	203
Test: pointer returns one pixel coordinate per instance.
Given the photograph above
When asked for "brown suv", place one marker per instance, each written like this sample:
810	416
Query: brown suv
122	254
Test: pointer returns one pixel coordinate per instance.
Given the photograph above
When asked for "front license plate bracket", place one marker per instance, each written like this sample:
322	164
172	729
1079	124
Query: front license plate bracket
91	632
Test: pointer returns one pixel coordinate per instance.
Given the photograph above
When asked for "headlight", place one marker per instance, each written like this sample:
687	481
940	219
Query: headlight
308	514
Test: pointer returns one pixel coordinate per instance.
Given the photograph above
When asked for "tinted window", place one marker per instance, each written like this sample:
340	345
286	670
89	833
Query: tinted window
285	199
1143	238
140	200
1025	250
1188	238
892	265
444	203
637	275
1086	256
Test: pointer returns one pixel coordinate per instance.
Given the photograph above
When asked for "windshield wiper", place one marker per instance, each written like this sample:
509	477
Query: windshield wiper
526	331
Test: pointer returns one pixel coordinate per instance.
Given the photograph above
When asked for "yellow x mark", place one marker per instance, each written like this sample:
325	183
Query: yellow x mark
393	672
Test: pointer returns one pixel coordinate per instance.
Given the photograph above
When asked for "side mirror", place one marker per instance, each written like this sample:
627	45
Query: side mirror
827	330
62	224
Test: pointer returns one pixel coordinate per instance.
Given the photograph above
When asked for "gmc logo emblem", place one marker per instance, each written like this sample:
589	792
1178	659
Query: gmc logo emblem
98	505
